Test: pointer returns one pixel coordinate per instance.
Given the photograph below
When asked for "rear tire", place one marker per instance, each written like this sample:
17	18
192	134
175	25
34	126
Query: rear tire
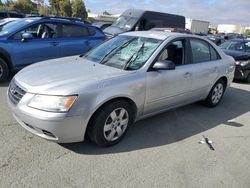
215	94
4	70
110	124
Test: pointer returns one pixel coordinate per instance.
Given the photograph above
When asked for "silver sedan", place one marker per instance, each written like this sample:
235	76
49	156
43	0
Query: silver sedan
130	77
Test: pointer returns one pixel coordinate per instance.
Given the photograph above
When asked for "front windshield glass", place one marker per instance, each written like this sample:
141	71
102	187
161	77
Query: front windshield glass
15	25
124	52
124	22
233	45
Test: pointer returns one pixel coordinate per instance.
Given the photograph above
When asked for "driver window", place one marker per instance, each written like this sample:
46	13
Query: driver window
39	31
173	52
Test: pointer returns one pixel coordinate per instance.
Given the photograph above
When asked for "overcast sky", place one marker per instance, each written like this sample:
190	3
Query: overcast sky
214	11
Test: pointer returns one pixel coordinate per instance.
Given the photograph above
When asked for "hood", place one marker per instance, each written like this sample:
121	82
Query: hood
63	74
113	31
237	55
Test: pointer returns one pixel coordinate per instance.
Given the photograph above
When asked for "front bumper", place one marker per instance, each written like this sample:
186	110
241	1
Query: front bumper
241	73
56	127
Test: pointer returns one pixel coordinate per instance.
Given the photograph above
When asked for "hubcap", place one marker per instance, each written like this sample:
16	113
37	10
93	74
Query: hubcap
116	124
217	93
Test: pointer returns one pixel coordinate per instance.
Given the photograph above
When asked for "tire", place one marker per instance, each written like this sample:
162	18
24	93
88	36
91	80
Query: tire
110	124
248	78
215	94
4	70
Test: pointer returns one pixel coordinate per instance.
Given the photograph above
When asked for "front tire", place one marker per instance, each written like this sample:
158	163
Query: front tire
215	94
111	123
4	70
248	78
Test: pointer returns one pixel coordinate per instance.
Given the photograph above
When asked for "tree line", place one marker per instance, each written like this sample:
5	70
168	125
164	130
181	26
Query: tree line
65	8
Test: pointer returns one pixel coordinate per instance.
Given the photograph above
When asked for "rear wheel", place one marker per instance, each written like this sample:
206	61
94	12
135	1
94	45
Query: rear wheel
216	94
4	70
111	123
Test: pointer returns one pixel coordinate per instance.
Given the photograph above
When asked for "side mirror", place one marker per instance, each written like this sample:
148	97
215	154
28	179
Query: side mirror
26	36
164	65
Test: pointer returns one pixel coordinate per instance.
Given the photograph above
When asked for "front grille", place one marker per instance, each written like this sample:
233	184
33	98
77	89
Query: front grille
15	92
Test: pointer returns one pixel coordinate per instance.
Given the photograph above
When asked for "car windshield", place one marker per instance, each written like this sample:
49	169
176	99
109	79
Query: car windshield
15	25
124	52
233	45
125	23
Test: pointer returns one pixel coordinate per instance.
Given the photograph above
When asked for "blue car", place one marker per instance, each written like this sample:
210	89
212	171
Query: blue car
34	39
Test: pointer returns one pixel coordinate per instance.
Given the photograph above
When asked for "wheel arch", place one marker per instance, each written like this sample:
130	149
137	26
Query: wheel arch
108	101
6	57
225	80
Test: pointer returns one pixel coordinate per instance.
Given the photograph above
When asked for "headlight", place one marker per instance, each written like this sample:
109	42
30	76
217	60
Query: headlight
52	103
242	63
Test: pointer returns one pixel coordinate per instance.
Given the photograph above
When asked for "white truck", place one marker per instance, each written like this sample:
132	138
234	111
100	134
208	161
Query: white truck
197	26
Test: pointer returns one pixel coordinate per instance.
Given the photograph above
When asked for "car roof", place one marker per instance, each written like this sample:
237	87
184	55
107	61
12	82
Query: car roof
62	19
160	35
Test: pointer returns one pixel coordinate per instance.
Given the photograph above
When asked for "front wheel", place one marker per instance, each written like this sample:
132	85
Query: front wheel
216	94
111	123
4	70
248	78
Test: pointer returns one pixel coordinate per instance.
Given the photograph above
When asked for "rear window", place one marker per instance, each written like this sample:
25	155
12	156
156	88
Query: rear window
3	15
14	15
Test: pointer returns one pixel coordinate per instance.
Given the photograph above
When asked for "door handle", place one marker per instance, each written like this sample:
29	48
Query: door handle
54	43
187	75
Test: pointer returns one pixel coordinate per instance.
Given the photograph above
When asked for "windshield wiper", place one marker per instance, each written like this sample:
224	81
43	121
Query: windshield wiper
116	48
130	59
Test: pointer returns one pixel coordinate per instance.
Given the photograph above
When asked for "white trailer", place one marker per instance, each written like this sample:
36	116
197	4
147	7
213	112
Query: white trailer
197	26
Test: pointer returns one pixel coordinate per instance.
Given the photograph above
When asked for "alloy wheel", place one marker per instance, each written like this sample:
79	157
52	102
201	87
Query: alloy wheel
116	124
217	93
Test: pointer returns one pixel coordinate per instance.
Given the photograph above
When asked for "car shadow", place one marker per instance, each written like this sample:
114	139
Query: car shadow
6	83
175	125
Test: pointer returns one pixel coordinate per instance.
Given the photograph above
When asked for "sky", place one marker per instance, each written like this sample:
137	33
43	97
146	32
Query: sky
214	11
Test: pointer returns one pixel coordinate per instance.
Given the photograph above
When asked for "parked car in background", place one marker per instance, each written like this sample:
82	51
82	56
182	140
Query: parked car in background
102	25
239	49
141	20
129	77
34	39
229	36
7	20
176	30
10	14
218	40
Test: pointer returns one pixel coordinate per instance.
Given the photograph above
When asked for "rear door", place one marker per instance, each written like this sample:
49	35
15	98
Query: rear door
77	39
205	62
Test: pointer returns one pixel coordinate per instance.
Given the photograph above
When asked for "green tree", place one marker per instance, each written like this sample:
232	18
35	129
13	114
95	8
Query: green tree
61	7
65	8
79	9
247	32
44	10
24	6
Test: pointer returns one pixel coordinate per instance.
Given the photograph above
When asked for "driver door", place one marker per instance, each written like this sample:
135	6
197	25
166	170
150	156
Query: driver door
41	47
169	88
